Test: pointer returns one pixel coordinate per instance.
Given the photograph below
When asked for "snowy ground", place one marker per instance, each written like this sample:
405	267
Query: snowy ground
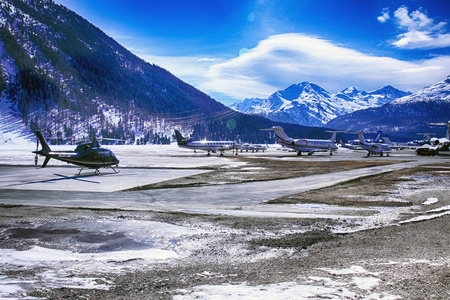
212	241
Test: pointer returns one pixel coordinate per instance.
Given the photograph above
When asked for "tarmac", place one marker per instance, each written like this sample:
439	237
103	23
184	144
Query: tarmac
56	187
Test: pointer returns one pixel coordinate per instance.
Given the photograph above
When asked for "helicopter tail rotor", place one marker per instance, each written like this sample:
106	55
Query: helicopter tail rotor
44	151
36	158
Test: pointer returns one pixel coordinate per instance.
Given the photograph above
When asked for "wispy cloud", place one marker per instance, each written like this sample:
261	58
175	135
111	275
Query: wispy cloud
191	69
207	59
420	31
284	59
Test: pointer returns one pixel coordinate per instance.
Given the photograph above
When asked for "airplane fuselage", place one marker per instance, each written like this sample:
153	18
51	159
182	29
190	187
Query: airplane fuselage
376	148
373	148
308	145
212	146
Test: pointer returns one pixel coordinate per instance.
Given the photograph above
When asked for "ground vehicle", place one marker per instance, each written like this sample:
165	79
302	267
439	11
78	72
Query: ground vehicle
426	151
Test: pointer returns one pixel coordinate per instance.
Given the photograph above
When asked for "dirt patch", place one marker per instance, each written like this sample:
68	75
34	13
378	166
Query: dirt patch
361	192
299	240
410	261
261	169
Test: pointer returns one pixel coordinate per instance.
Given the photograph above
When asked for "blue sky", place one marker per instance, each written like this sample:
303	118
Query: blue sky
237	49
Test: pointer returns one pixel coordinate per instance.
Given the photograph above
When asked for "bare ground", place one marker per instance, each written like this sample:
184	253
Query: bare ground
261	169
410	260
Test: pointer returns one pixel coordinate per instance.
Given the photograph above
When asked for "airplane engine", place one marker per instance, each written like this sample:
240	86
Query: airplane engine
300	142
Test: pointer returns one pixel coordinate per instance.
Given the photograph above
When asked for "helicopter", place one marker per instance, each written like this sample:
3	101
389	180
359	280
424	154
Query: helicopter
88	155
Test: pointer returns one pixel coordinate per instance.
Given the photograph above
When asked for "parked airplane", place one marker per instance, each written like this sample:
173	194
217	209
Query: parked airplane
87	155
210	146
436	144
425	140
442	143
355	144
305	145
372	147
254	147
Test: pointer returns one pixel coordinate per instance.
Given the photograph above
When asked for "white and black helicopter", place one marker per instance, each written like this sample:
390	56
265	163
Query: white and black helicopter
209	146
305	145
88	155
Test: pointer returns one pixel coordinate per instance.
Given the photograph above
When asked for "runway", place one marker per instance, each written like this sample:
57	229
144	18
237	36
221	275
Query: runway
62	232
64	178
48	187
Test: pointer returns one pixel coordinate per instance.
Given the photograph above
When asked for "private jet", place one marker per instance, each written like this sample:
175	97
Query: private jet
375	148
356	144
254	147
425	140
442	143
304	145
209	146
436	144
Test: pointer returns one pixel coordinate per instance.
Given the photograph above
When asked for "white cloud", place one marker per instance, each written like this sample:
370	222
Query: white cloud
420	31
284	59
384	15
281	60
191	69
206	59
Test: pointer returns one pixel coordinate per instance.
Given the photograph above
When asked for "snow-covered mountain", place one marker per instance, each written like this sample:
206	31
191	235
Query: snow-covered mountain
308	104
64	76
409	113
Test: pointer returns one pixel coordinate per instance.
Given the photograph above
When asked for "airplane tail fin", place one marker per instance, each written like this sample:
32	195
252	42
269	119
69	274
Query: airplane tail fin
45	148
362	140
180	139
279	132
378	136
333	136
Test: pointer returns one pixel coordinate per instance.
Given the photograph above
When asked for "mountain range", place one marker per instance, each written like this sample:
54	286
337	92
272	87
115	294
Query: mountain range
407	114
309	104
64	76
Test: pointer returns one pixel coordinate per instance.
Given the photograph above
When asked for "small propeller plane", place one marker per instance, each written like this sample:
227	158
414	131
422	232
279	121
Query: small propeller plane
210	146
88	155
305	145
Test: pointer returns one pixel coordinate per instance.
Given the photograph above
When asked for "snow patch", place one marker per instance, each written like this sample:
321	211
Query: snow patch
283	290
430	201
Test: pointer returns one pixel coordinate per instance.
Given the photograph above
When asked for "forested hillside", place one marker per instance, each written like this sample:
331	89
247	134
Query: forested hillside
66	77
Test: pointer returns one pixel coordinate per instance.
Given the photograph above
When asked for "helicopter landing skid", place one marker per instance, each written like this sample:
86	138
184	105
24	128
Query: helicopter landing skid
97	170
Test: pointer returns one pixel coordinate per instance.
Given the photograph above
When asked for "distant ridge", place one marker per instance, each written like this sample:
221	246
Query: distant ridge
309	104
407	114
